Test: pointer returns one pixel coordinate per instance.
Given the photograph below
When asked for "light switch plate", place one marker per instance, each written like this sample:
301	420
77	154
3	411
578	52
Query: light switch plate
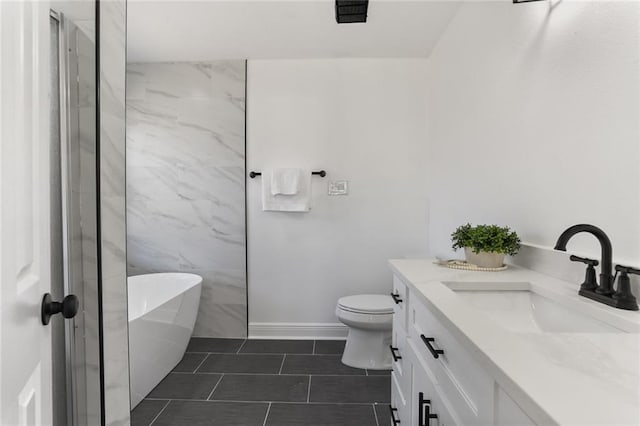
339	187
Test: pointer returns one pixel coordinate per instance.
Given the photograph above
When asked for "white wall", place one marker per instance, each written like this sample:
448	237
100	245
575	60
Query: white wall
534	115
363	121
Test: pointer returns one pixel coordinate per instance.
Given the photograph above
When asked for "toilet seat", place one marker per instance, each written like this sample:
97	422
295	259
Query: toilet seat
367	304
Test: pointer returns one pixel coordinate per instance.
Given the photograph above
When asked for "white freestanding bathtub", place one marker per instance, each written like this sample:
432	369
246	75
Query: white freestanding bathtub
162	313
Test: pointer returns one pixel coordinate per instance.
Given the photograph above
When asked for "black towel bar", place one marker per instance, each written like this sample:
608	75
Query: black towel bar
320	173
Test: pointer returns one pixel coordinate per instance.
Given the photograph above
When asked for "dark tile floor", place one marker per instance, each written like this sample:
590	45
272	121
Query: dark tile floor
236	382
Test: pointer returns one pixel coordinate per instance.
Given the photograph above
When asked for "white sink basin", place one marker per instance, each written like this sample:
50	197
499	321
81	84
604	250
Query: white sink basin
526	311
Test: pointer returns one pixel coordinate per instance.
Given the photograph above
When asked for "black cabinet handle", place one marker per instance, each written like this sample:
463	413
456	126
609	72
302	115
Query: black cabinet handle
395	353
427	341
396	298
424	405
393	416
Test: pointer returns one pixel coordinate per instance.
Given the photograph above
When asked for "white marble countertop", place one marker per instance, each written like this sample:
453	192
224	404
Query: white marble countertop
557	378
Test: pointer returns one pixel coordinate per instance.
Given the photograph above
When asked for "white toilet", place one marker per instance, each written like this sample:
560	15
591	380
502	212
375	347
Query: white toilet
369	318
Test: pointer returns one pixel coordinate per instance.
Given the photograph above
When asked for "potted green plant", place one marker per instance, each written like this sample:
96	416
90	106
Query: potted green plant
486	245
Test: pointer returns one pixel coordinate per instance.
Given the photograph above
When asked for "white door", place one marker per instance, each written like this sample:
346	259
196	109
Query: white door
25	344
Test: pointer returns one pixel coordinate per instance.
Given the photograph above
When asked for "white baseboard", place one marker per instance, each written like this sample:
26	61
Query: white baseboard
294	330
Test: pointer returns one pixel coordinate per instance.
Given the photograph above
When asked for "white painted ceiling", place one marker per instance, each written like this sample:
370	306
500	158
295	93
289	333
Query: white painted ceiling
259	29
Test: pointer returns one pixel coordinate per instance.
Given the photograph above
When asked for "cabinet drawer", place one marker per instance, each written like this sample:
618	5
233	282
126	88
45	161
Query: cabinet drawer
399	403
400	295
428	406
400	363
461	379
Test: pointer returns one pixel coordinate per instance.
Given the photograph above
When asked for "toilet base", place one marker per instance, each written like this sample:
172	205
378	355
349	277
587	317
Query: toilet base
368	349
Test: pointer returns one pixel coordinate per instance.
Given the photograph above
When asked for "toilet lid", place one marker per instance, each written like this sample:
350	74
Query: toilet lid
367	304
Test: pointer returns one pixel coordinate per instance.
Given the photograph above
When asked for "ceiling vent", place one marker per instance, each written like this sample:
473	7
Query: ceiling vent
351	11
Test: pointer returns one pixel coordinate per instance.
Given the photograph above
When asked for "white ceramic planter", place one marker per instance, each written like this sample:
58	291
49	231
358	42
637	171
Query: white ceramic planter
484	259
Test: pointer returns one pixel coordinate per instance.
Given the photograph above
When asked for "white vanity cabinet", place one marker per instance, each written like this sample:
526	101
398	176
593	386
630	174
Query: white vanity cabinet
459	380
436	381
428	406
525	349
400	296
401	374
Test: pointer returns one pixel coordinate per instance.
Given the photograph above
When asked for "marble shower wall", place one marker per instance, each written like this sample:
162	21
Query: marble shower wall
113	240
186	184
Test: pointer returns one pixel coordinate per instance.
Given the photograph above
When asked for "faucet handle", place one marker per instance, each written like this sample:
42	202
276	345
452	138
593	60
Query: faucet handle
590	283
627	270
623	297
586	261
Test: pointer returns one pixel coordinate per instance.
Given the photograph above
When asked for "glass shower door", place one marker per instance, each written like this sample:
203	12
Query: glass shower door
76	342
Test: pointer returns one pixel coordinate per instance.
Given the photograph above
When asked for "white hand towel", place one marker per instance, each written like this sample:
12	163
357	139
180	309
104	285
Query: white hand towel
299	202
285	181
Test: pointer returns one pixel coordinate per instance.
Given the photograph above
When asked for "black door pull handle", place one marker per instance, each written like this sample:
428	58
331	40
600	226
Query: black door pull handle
393	416
395	353
68	307
424	405
396	298
427	341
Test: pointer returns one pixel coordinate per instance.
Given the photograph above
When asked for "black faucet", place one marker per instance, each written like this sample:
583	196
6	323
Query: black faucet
604	293
606	278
